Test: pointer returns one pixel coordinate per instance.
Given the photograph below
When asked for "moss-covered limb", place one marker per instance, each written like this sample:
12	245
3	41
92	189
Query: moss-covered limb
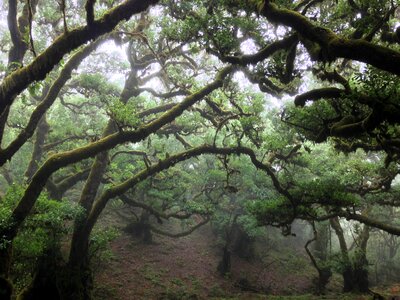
289	68
18	29
3	122
318	94
121	188
180	234
130	152
79	242
333	46
18	47
265	85
346	147
383	225
332	77
89	7
309	5
47	102
20	79
61	160
264	53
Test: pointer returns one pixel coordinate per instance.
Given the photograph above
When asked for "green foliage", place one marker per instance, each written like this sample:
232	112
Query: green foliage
378	84
250	225
272	211
124	114
99	245
46	226
41	232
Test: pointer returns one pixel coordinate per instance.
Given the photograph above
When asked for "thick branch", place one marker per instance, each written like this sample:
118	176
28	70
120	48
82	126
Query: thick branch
44	105
371	222
120	189
333	46
61	160
317	94
89	6
264	53
20	79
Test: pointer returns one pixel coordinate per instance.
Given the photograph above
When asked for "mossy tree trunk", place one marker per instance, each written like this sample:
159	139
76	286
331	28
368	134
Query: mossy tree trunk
360	271
347	272
224	266
355	273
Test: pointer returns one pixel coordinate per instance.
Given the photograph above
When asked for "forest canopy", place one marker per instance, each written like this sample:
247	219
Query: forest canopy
257	113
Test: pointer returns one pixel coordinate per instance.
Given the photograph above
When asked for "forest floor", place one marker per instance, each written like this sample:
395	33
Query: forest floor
186	268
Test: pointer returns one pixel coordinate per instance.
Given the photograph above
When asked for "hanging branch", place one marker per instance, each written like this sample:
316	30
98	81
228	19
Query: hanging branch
30	18
62	8
89	7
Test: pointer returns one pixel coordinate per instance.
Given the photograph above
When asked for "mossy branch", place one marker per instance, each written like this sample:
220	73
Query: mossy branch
45	104
20	79
63	159
395	230
333	46
318	94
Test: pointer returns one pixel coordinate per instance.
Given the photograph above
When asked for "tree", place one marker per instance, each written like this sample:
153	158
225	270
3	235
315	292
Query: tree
186	66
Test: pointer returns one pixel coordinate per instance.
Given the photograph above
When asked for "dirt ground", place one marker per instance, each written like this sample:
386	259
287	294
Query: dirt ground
186	268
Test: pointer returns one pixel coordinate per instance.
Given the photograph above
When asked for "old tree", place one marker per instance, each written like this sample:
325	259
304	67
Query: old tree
125	100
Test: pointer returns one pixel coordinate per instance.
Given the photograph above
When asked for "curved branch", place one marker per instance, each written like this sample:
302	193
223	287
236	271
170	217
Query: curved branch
63	159
392	229
180	234
49	99
333	46
316	94
264	53
20	79
89	7
162	165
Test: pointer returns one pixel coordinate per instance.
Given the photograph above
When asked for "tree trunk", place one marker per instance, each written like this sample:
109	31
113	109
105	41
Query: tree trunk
78	270
361	263
44	283
347	273
324	272
224	266
76	282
